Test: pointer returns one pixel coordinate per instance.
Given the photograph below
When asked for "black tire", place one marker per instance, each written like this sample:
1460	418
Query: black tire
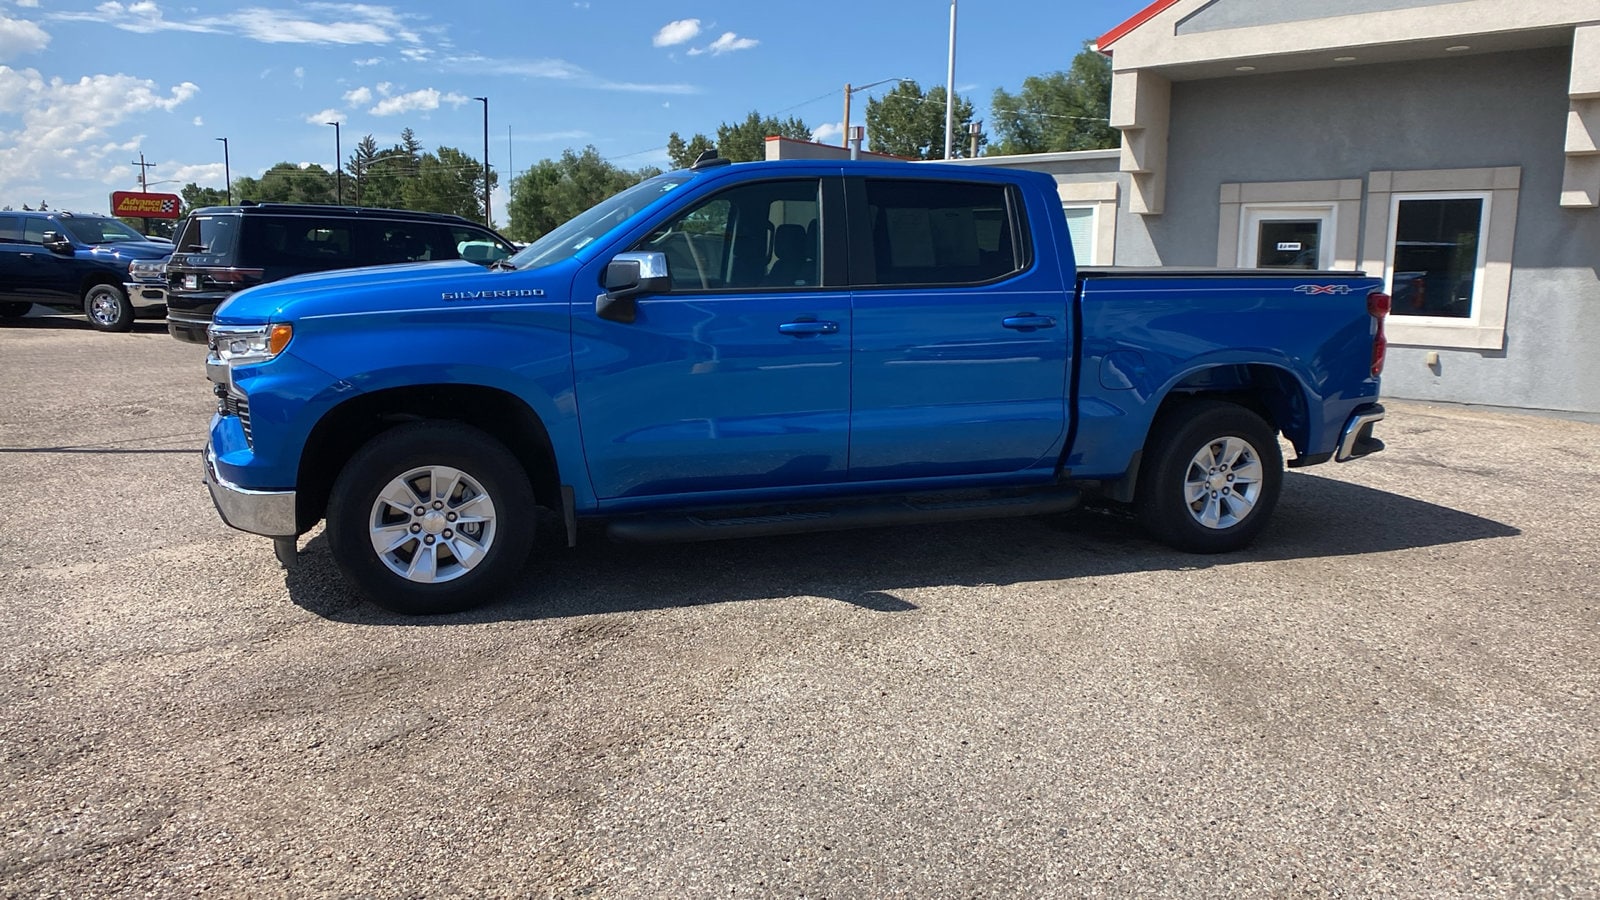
1223	517
14	310
107	307
354	515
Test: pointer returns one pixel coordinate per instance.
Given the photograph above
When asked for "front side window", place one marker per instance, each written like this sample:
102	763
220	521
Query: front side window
762	235
99	230
1436	254
940	232
478	246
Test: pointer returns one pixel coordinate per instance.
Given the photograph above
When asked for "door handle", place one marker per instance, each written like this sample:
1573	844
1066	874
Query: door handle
26	255
807	328
1028	322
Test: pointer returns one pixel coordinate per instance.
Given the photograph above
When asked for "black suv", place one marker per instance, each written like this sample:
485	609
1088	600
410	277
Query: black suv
224	249
77	262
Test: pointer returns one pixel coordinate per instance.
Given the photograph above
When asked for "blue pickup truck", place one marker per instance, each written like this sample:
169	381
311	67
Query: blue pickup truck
770	348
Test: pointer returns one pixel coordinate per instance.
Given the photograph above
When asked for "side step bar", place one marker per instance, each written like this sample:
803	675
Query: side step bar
711	525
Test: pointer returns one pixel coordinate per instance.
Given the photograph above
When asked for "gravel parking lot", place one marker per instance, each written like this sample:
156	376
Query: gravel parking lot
1393	693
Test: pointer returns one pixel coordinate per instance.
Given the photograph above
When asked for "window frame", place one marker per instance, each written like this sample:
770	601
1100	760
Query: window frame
1487	329
1254	214
1478	266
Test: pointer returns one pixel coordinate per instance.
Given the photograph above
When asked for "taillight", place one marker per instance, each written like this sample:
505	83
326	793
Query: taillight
1378	304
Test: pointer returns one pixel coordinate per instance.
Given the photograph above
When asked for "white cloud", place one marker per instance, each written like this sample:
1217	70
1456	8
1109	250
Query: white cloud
369	61
28	4
300	76
384	87
328	115
676	32
198	121
199	174
425	99
730	42
311	23
828	133
560	70
69	129
18	36
361	96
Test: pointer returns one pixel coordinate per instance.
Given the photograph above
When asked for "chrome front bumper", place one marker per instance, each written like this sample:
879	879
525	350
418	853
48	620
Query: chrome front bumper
1356	440
268	513
144	295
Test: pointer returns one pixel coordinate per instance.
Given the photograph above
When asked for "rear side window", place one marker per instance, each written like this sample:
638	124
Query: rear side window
941	232
10	228
213	235
296	244
403	242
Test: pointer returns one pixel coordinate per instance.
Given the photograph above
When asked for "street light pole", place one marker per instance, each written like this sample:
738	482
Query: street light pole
487	219
227	174
338	165
950	88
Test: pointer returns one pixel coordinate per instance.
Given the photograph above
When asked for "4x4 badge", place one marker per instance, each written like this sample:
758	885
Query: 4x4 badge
1322	289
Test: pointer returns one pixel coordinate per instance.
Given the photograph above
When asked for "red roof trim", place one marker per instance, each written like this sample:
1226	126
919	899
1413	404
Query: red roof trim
1139	18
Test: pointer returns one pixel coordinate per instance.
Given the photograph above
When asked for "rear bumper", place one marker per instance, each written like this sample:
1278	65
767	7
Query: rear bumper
1356	440
269	513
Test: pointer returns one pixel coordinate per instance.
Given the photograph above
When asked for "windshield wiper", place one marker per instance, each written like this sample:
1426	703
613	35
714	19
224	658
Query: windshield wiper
503	265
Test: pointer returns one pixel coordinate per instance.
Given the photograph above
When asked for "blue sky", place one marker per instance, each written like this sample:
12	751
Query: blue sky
86	86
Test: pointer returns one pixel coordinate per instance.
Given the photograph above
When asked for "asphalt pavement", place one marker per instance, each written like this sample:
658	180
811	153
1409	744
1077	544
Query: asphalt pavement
1393	693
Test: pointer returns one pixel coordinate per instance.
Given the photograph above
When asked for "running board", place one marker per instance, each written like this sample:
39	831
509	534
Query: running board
711	525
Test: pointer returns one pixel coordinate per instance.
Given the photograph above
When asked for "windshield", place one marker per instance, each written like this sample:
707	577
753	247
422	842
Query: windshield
95	230
582	229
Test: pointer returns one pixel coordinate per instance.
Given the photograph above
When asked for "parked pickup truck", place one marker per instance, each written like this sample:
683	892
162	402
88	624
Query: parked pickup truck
767	348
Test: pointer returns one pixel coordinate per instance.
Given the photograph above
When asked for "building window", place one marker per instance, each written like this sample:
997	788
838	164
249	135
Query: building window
1290	224
1436	254
1442	241
1286	237
1081	228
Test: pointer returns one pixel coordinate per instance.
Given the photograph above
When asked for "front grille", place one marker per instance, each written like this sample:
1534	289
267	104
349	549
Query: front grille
234	405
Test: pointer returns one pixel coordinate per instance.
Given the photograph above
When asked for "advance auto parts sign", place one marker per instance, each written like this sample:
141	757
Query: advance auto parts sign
134	205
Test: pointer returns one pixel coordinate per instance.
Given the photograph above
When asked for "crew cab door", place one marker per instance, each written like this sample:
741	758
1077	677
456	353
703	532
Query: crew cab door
961	331
736	376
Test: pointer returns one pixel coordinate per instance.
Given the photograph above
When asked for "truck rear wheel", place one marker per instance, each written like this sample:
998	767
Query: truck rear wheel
108	308
1211	477
430	518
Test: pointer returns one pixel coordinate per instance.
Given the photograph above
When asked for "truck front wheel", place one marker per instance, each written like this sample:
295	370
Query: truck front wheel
430	518
108	308
1211	477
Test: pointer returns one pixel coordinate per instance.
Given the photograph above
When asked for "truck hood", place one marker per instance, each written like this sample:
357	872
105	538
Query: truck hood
408	286
127	251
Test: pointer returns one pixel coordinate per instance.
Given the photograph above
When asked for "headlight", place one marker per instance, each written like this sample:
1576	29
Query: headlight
238	344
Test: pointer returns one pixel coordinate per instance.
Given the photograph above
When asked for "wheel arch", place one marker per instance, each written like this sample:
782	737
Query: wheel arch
347	427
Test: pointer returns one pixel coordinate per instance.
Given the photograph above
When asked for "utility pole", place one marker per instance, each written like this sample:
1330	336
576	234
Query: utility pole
511	166
143	167
950	88
844	136
338	165
487	219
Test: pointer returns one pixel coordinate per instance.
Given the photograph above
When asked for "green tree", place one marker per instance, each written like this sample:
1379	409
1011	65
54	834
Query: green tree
684	153
910	122
738	141
194	196
1059	111
554	190
287	183
448	181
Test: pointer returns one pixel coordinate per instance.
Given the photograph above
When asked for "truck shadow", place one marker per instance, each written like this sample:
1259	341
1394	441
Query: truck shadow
1317	517
70	322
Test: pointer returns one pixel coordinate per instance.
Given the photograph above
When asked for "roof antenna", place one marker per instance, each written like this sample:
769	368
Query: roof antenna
707	159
